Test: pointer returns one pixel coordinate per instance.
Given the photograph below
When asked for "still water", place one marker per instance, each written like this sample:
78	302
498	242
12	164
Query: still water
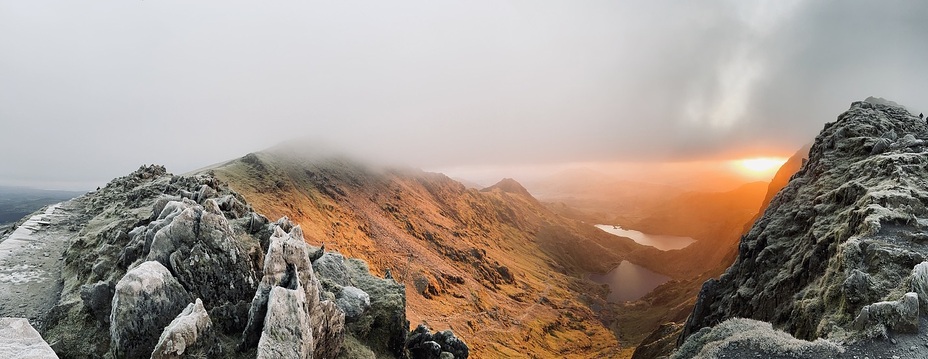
662	242
629	281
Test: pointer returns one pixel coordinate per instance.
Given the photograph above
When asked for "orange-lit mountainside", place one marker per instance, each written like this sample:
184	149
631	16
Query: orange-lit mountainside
496	266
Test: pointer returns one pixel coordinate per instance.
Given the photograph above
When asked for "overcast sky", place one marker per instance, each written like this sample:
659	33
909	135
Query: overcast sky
92	90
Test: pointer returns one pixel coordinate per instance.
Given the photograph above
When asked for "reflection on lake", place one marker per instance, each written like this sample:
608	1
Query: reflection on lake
662	242
629	281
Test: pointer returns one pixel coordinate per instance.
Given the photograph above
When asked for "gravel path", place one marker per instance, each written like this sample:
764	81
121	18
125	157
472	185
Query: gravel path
30	264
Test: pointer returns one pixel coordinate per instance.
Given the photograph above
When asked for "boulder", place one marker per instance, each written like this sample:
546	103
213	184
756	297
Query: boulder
287	332
19	340
146	300
423	344
735	338
331	266
900	316
353	301
190	334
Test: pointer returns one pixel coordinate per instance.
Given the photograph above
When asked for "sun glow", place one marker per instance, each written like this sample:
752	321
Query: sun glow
759	167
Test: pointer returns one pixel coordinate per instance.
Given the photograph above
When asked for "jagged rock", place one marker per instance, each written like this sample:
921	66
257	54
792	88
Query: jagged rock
328	323
98	298
188	335
742	338
287	259
198	244
900	316
423	344
353	301
19	340
202	245
286	332
843	233
146	300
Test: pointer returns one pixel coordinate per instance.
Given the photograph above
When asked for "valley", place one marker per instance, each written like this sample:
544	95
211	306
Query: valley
507	272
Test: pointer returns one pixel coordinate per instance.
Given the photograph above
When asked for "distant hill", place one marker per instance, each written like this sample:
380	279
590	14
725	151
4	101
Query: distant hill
18	202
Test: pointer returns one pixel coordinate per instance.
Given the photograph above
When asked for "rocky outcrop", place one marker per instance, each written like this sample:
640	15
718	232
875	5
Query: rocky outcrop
188	335
746	338
839	248
19	340
146	299
150	243
287	264
426	345
287	332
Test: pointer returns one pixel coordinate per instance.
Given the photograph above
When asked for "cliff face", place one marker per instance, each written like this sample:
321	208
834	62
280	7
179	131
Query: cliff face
848	231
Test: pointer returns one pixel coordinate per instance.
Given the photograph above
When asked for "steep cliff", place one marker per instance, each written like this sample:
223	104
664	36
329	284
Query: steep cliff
839	252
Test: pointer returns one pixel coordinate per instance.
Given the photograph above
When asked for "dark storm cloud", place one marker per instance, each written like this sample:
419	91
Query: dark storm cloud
89	91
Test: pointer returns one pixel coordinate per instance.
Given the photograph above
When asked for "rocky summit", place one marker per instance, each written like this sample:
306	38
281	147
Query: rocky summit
838	263
163	266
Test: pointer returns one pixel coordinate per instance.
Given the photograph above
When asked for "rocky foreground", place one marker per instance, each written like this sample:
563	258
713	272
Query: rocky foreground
163	266
837	266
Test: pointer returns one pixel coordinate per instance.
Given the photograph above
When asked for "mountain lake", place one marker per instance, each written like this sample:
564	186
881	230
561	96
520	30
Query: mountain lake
659	241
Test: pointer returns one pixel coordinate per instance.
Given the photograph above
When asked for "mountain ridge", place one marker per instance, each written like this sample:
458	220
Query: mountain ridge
837	253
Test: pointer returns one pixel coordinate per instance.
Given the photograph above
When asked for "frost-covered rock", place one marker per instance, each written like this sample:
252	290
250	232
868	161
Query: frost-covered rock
353	301
920	285
189	334
846	232
146	300
331	266
288	260
900	315
746	338
286	332
19	340
383	327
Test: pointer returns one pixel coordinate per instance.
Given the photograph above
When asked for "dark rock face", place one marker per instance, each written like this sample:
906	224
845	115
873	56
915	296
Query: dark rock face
847	231
98	298
146	300
425	345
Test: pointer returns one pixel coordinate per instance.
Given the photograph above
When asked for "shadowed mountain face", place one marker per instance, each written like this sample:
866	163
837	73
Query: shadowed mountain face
494	265
839	253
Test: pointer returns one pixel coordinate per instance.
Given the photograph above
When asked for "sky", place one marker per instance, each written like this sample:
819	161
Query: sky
91	90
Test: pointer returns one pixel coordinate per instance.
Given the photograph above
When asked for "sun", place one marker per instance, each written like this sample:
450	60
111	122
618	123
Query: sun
760	166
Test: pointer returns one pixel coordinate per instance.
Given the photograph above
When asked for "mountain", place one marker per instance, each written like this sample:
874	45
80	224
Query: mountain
500	269
837	257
